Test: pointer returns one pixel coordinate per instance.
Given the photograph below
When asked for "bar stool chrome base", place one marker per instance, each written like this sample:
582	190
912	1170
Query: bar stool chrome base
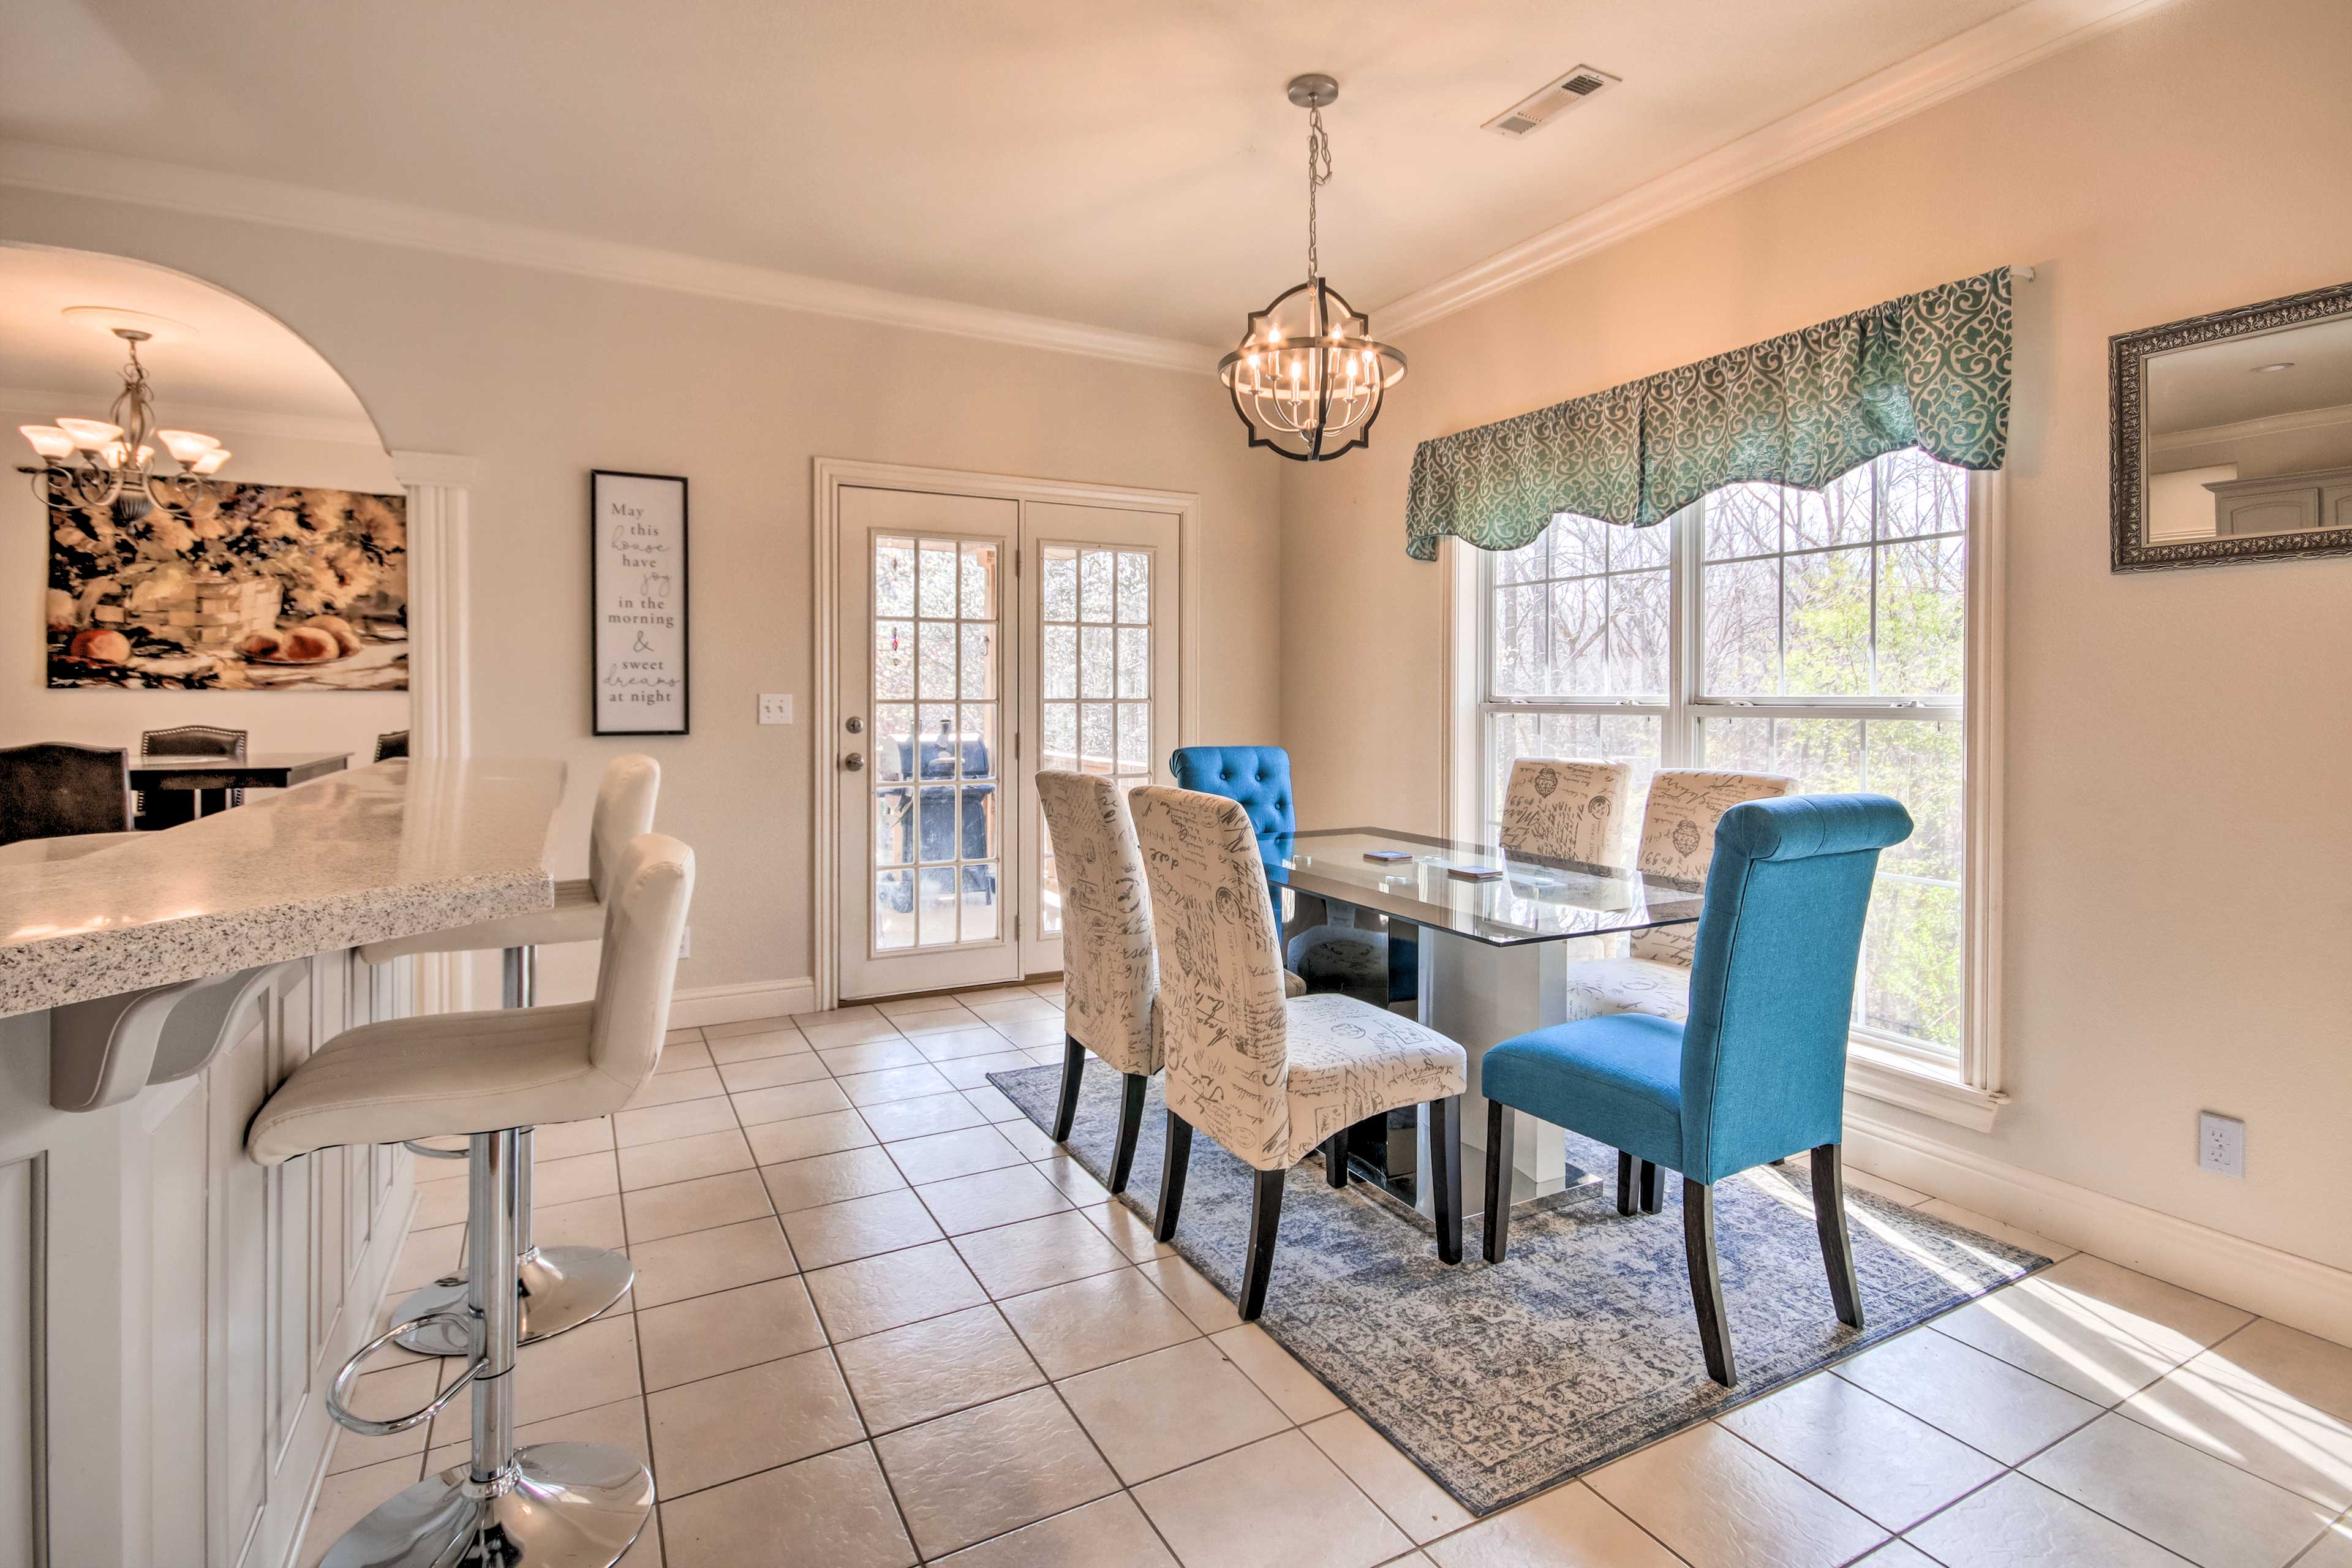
580	1505
560	1288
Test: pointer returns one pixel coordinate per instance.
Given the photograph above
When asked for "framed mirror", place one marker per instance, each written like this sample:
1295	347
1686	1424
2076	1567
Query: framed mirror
2233	435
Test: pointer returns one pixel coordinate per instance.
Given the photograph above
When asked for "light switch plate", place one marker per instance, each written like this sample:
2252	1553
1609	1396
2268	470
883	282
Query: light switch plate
775	707
2220	1143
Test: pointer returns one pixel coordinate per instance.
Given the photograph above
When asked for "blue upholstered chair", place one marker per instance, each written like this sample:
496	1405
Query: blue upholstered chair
1258	777
1757	1072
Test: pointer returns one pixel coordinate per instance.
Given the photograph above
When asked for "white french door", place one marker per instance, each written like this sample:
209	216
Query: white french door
980	638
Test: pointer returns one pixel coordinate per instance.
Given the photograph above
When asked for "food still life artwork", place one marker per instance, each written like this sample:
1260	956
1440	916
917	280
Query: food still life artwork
269	587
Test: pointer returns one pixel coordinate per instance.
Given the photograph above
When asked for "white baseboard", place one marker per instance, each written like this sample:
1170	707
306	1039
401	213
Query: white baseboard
746	999
2298	1292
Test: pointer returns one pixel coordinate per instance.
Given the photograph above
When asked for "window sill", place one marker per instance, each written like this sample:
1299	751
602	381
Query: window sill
1894	1082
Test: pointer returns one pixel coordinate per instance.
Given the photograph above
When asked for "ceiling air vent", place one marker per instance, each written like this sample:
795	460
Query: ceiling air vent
1562	92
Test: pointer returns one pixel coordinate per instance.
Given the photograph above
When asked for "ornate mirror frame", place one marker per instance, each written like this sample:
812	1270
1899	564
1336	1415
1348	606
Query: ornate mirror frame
2127	357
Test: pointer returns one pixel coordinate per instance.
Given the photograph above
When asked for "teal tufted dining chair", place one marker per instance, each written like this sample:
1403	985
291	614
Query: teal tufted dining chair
1758	1070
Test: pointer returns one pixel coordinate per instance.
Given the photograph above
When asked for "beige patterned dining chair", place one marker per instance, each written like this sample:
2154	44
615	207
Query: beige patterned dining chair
1270	1077
1566	808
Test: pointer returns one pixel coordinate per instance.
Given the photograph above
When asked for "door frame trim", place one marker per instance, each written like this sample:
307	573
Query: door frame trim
829	475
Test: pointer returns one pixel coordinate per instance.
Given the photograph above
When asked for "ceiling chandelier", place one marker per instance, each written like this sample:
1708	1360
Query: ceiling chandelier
1307	378
91	462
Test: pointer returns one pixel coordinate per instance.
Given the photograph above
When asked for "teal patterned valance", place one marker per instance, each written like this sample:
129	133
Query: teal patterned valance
1929	369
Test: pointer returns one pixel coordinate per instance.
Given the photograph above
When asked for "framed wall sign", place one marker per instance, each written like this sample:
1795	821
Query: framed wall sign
636	594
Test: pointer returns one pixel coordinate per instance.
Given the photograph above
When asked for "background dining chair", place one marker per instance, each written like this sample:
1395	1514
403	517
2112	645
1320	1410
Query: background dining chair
1109	971
190	741
390	745
1269	1079
54	789
1758	1073
1566	808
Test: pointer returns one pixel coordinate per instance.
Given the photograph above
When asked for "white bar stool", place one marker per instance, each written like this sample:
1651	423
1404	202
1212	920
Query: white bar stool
561	1287
489	1075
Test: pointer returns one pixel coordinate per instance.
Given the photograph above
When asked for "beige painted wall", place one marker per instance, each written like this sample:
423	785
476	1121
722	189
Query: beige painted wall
2179	869
542	376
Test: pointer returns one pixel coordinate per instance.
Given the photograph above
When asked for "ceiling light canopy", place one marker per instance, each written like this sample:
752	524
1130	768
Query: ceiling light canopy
1307	377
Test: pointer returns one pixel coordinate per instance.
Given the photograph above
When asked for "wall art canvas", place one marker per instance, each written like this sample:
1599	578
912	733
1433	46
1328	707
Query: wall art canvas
273	588
636	593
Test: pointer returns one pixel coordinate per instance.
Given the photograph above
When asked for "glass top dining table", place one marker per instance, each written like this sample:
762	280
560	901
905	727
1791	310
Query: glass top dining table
1537	898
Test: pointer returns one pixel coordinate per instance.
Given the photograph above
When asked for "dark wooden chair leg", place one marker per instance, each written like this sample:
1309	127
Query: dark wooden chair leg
1175	1158
1837	1247
1652	1197
1335	1158
1502	1127
1265	1223
1624	1183
1707	1280
1445	1173
1131	1124
1074	1069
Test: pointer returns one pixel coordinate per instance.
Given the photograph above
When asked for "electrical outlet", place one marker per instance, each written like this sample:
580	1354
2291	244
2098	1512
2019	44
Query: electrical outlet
775	707
686	941
2220	1143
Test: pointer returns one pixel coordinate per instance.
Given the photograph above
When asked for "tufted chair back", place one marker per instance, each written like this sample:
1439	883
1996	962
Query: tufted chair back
1258	777
1568	810
1679	837
1110	970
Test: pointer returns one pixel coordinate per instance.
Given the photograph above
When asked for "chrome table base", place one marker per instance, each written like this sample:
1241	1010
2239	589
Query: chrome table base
560	1288
570	1505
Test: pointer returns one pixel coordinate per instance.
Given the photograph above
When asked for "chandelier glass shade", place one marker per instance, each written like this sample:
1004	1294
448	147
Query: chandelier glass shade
1307	377
91	462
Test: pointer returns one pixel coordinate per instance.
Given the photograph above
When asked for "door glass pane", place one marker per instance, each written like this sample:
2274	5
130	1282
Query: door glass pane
894	577
935	743
1095	568
1060	752
977	834
980	900
894	827
894	910
1134	662
936	675
1134	738
940	580
978	673
1060	581
979	582
1095	737
1096	643
894	659
935	923
936	822
1134	588
977	727
1097	674
1061	650
894	741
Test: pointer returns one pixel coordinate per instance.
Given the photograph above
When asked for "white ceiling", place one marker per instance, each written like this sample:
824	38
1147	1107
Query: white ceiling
2220	383
236	357
1125	163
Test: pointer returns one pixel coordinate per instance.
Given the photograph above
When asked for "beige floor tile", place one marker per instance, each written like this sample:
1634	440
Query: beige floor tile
555	1182
746	1026
725	1332
591	1222
740	1423
759	1046
1894	1192
2017	1522
832	1036
1067	1173
991	1198
439	1205
2334	1549
1897	1554
669	1088
981	1472
685	1159
921	1117
2264	1400
1051	990
871	1057
1985	1224
425	1256
860	1227
1296	1390
968	1151
991	1102
620	1425
682	1038
1013	1009
1983	1401
785	1101
703	1204
681	1055
894	1007
831	1511
395	1391
1568	1527
831	1178
1128	1230
2210	1512
894	1288
345	1500
955	1018
1893	1469
1108	1533
1401	1488
564	1139
971	1072
1036	1034
1716	1502
804	1137
1095	1321
596	1364
700	1261
1211	1309
1034	1141
956	1044
893	1083
1040	1056
925	1370
660	1123
1279	1503
2093	1327
1174	1407
1014	1259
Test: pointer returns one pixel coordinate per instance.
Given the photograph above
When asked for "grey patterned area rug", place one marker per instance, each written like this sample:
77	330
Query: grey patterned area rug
1580	1347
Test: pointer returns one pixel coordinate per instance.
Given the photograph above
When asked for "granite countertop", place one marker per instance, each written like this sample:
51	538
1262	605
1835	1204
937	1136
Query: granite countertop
386	851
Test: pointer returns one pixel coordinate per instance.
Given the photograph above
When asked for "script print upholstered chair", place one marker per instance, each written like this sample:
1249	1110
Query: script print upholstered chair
1568	810
1758	1070
486	1076
1270	1077
561	1287
1110	974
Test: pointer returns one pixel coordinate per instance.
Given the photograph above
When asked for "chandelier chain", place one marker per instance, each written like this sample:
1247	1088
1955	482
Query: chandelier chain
1319	175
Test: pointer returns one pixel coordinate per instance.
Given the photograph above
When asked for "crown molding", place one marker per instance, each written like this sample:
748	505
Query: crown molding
107	177
46	406
2009	42
2268	425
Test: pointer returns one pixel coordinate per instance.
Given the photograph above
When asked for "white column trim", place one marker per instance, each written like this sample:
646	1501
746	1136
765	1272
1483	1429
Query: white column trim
439	491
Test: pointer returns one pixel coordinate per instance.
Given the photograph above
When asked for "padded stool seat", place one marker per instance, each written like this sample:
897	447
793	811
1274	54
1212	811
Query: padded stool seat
578	916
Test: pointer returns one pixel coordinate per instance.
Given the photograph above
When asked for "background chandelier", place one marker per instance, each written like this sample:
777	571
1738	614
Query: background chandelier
1307	377
89	462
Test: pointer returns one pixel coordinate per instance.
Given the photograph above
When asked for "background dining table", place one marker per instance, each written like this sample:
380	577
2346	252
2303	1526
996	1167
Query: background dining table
176	785
1492	956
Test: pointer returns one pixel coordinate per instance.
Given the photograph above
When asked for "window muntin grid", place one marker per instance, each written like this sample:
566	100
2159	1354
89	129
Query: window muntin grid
1095	632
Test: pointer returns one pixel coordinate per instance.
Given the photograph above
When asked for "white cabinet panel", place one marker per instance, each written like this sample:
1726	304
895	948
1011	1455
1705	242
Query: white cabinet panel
20	1274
